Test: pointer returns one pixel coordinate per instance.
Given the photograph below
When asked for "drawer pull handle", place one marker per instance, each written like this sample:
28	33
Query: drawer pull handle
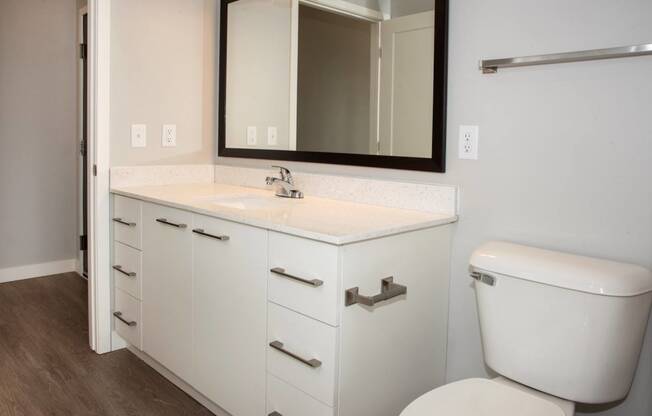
119	316
389	290
123	222
278	345
281	272
172	224
205	234
275	414
121	270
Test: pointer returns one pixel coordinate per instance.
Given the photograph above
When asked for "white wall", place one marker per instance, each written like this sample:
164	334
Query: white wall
258	56
407	7
38	131
162	72
565	150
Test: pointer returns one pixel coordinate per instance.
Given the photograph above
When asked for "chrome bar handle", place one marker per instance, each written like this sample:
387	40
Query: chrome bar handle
278	345
118	315
172	224
275	414
121	270
389	290
205	234
281	272
123	222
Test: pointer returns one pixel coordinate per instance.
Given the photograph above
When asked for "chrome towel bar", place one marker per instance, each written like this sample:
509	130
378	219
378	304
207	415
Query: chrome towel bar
491	66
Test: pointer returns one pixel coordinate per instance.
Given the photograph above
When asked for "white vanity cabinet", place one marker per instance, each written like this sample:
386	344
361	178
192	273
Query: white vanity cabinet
267	323
340	356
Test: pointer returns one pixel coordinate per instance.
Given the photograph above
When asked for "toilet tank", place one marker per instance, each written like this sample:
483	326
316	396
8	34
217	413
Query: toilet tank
567	325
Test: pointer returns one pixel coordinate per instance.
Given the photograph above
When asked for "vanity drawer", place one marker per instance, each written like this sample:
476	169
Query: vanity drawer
127	318
127	269
285	400
303	276
302	351
127	221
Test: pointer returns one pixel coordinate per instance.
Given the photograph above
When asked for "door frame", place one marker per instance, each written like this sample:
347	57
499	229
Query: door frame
99	276
80	128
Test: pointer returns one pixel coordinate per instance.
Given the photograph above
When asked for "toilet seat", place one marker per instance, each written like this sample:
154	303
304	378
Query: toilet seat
483	397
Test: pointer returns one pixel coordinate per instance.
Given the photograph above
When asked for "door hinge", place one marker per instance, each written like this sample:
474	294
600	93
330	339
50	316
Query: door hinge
94	170
83	243
82	148
83	51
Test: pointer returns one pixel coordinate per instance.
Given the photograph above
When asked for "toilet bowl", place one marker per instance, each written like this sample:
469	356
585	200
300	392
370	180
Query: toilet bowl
558	328
484	397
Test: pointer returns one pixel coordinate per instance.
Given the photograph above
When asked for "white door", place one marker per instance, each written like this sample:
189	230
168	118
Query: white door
167	288
406	85
230	311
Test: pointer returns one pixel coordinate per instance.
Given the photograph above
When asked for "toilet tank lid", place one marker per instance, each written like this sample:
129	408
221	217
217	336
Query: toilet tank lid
569	271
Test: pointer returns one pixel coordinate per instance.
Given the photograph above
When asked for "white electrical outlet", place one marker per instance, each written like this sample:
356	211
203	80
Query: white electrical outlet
252	132
469	142
272	136
139	135
169	135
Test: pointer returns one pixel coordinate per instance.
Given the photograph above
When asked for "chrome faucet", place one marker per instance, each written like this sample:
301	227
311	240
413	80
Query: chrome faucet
285	184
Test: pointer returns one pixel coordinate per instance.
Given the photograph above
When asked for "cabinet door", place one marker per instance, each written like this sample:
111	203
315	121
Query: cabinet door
230	299
395	351
167	287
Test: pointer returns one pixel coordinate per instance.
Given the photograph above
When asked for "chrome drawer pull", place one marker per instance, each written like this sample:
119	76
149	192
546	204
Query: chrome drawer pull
278	345
281	272
389	290
166	222
121	270
205	234
123	222
275	414
119	316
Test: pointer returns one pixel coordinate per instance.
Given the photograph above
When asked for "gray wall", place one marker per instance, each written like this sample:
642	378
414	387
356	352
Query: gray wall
565	150
162	72
38	131
333	105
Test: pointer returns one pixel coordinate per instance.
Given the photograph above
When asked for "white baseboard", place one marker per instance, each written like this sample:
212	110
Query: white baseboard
203	400
29	271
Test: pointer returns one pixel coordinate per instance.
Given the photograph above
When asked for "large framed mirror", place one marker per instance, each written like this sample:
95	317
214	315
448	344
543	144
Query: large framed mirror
355	82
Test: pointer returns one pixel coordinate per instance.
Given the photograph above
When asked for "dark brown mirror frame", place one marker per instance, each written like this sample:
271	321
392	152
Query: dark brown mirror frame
437	163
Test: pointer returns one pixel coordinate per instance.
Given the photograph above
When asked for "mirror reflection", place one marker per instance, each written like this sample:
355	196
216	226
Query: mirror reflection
334	76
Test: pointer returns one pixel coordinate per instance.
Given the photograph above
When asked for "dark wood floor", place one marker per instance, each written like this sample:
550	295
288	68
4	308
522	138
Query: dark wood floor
48	369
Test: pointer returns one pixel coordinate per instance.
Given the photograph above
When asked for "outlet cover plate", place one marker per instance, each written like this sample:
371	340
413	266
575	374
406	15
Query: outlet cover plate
469	142
139	135
272	136
169	135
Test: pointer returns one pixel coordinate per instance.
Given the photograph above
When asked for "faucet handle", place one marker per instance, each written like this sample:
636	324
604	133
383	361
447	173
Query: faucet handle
286	175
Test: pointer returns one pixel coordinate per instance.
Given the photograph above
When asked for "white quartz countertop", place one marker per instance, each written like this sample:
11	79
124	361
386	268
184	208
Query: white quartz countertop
328	220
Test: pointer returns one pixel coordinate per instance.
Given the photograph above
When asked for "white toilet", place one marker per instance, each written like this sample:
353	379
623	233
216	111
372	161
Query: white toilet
560	329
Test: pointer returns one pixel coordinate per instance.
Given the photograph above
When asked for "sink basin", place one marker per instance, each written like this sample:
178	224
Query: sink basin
245	201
